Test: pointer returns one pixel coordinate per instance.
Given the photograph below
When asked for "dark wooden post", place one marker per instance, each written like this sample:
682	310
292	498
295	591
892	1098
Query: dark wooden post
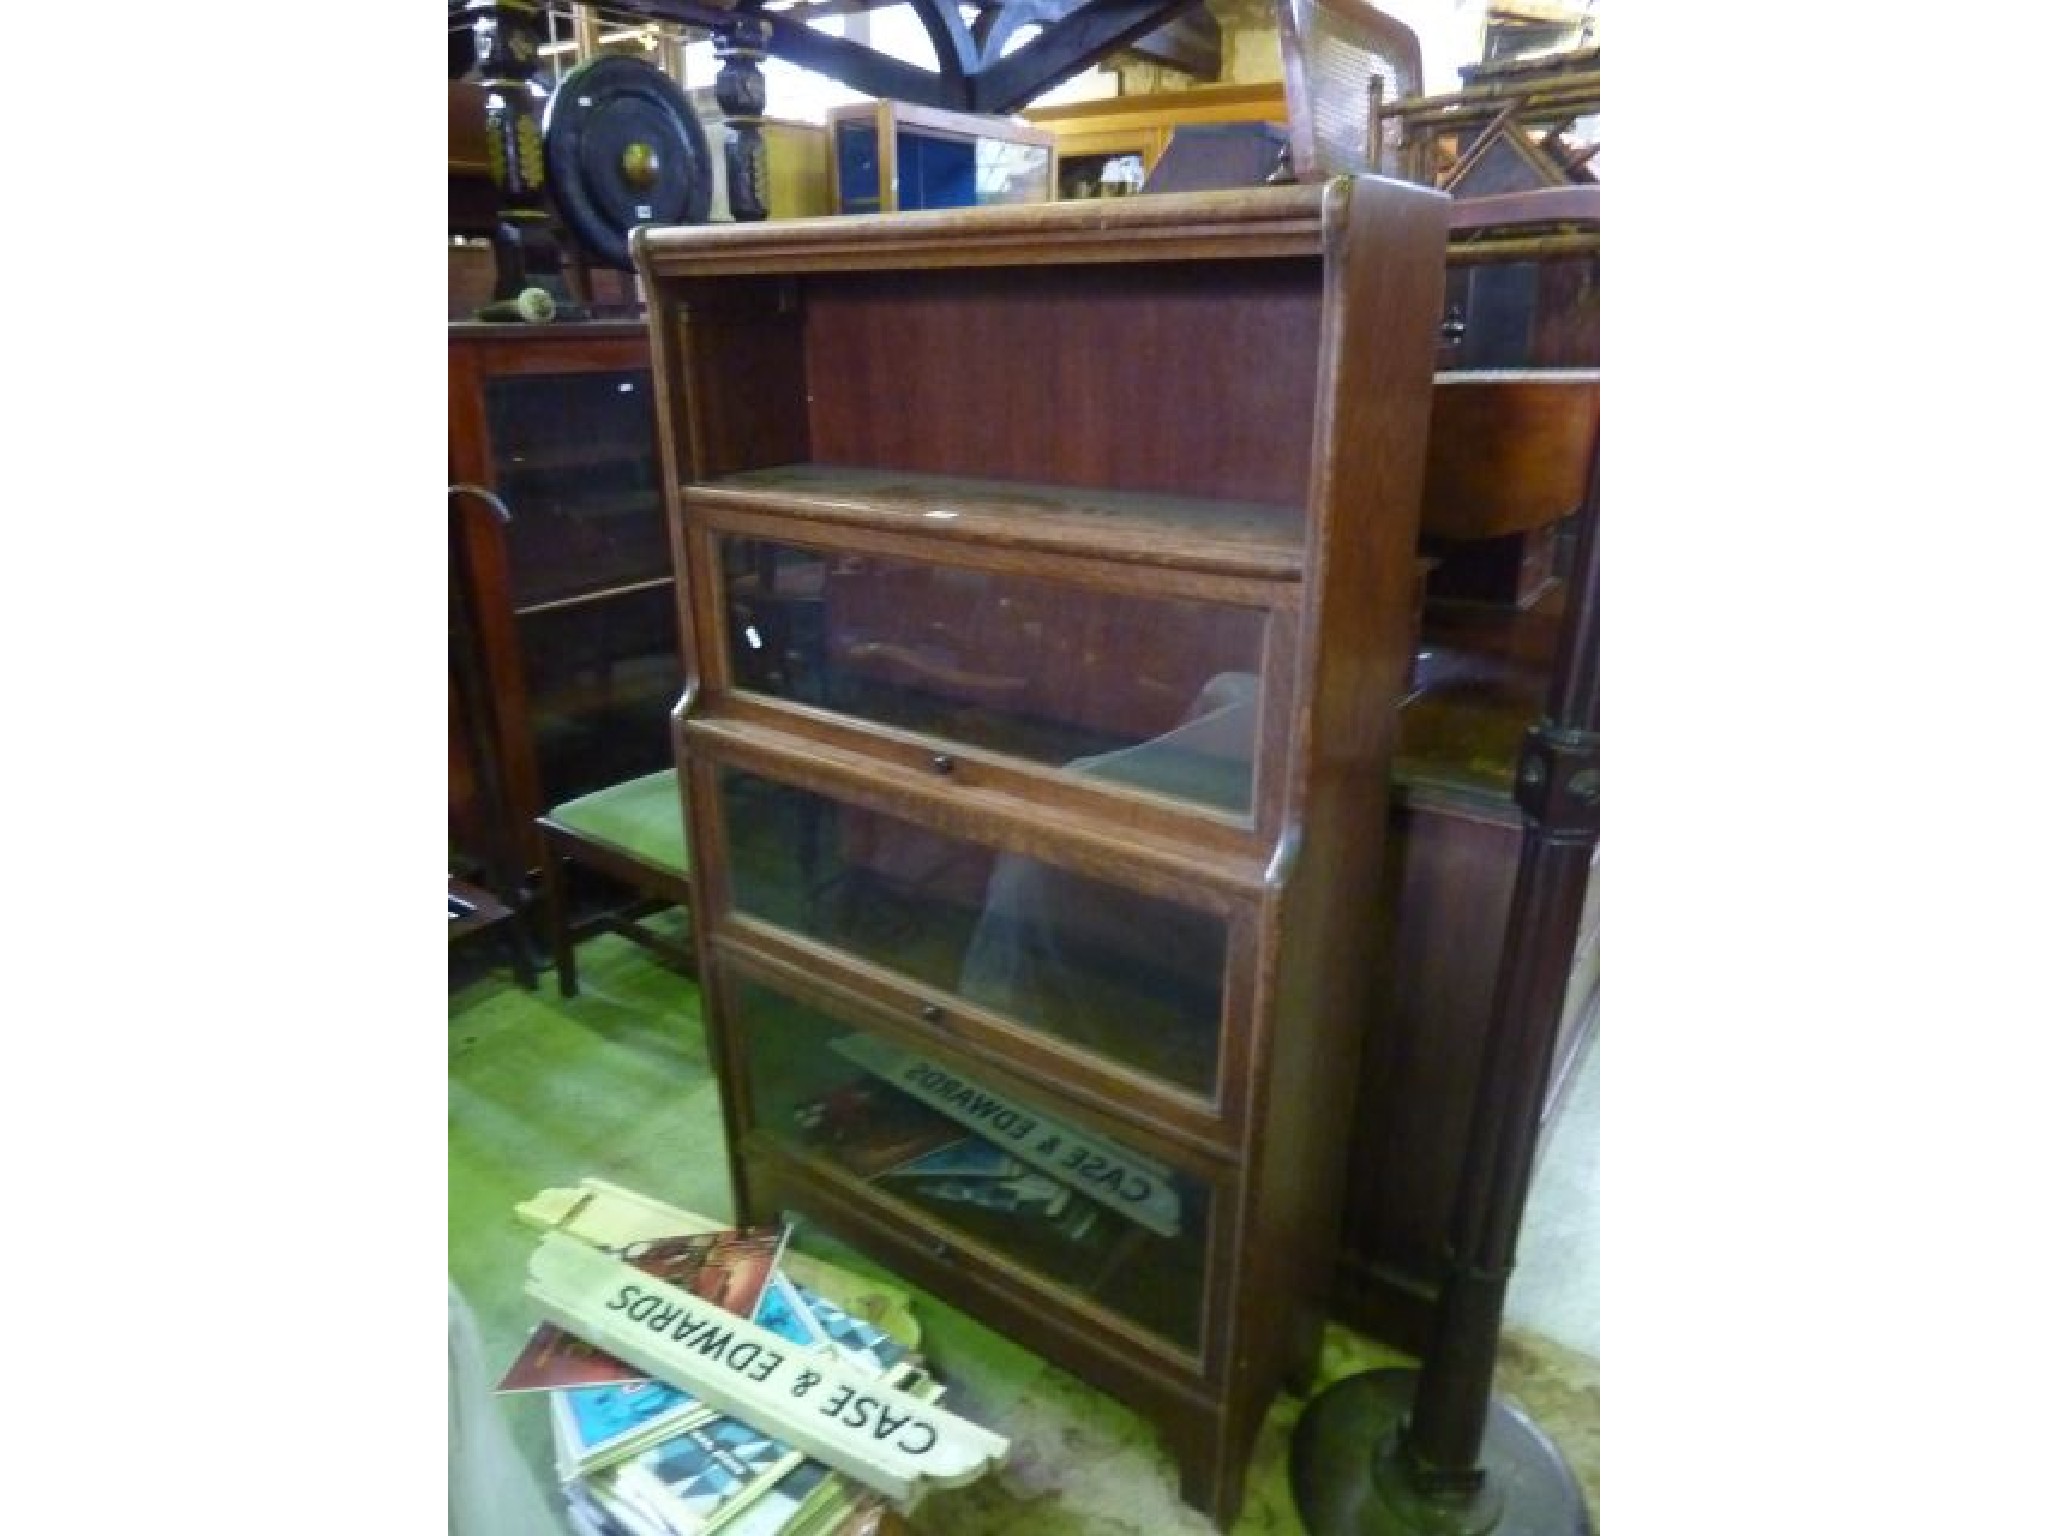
507	55
1400	1453
740	45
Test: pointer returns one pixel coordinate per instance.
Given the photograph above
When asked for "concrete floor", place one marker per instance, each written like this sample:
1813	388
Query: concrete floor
616	1085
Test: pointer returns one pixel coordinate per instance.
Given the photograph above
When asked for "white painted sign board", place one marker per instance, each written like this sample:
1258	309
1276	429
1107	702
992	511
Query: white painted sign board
883	1436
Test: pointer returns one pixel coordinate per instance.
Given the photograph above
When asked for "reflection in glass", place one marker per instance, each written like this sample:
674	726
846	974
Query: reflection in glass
1158	693
1132	977
573	457
601	680
1076	1208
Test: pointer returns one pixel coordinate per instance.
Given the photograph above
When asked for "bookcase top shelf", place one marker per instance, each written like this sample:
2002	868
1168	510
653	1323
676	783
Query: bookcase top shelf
1237	538
1241	223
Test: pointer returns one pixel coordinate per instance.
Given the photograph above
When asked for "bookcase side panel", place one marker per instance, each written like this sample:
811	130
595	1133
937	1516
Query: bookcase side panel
1385	280
740	345
1195	378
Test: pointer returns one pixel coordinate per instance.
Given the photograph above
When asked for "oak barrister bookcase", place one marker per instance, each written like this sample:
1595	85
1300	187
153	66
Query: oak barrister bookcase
1048	580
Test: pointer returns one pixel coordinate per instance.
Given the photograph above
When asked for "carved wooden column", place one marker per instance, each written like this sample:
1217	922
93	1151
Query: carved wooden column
507	54
740	45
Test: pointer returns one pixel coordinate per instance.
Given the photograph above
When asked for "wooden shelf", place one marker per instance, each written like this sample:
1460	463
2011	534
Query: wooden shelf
1233	538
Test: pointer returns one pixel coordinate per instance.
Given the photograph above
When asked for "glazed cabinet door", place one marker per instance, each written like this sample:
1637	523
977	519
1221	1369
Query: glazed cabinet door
1160	694
950	1155
1118	985
592	582
1141	695
572	453
576	586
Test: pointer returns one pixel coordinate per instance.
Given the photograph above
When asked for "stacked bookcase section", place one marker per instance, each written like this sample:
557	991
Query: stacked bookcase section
1048	594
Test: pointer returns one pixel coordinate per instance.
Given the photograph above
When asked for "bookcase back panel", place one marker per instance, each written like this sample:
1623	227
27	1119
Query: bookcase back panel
968	1163
1160	694
1159	376
1132	978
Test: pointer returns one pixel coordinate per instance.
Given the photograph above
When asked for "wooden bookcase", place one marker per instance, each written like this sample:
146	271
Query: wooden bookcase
1049	577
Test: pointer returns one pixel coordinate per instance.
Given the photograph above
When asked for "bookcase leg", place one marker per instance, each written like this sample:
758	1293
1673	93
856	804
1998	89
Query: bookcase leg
1304	1356
1212	1472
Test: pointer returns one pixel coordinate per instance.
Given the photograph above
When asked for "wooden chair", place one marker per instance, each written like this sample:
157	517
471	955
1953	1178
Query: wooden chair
1341	60
633	834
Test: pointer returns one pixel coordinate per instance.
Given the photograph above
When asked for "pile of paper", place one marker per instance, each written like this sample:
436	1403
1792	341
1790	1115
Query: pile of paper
640	1456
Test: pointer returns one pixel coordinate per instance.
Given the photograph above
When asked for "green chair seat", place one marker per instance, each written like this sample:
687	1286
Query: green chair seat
632	834
642	817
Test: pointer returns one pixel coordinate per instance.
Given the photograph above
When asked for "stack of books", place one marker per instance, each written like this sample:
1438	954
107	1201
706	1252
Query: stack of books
639	1457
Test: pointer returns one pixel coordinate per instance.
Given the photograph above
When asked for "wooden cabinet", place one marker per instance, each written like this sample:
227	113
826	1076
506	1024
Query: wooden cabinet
574	600
1454	842
1089	134
888	156
1049	574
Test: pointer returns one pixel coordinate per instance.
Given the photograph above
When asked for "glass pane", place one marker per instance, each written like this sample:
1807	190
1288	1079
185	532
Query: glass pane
859	150
601	679
1011	173
1159	693
1062	1202
1477	683
574	455
934	172
1131	977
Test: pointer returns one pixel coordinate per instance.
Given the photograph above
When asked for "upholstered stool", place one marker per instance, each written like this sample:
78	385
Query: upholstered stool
631	833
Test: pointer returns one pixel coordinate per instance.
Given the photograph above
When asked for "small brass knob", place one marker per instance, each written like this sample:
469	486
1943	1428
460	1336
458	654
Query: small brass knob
640	165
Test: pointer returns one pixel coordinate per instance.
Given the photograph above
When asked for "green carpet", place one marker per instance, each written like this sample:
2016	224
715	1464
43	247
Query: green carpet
615	1084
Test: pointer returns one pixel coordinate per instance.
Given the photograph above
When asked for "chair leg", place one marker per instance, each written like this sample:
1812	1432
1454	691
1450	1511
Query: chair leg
555	885
518	957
